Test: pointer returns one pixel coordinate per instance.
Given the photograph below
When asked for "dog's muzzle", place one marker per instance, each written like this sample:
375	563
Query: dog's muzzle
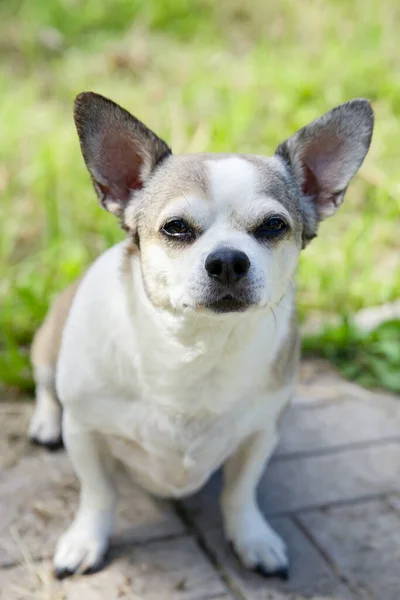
227	269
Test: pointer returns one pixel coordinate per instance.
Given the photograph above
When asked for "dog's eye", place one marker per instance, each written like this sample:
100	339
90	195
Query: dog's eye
177	228
271	227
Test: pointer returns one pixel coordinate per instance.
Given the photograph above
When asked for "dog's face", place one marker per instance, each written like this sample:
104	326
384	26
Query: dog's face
220	233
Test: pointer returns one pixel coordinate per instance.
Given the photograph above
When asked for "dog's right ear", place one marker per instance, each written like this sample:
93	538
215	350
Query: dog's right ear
119	151
324	156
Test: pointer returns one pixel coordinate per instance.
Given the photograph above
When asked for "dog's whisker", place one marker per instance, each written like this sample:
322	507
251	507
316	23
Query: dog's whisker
188	203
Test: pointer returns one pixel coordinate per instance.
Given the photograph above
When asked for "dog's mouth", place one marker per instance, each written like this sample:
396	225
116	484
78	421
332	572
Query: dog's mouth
227	304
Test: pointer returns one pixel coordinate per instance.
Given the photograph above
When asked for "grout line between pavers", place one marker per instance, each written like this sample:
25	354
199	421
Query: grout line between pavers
221	595
207	551
146	542
332	450
333	504
11	565
391	506
314	405
318	403
327	558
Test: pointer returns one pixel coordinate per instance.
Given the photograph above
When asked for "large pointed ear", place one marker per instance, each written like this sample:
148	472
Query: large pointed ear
119	151
325	155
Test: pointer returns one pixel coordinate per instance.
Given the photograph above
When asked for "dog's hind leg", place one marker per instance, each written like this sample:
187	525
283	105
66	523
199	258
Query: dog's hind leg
45	425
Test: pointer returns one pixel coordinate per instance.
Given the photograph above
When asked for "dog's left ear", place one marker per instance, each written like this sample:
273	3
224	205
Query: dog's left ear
119	151
325	155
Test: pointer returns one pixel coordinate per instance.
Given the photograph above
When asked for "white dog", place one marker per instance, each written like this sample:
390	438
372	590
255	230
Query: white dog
177	352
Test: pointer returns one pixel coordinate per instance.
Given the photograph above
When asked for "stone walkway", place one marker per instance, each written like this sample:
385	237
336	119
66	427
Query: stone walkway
332	490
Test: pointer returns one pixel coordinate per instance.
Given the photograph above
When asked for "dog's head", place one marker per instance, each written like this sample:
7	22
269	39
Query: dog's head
223	232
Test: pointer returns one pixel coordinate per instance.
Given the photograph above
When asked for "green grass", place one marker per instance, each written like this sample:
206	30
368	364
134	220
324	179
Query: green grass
219	76
371	358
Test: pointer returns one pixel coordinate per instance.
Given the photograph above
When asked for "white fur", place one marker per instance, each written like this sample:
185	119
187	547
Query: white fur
234	184
174	397
177	392
235	204
45	425
83	545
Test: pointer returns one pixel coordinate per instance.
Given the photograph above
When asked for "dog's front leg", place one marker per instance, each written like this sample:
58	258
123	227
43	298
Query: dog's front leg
82	548
254	541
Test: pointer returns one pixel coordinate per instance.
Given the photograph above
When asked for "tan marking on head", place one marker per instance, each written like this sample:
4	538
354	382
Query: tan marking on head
177	177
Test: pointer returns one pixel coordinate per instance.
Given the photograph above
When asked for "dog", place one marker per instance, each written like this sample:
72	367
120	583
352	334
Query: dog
177	352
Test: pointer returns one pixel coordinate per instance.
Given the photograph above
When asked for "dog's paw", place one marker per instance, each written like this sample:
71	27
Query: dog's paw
258	547
79	551
45	428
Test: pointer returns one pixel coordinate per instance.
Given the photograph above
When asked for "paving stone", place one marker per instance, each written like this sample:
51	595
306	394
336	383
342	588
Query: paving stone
314	466
394	502
290	485
168	570
310	574
363	542
126	579
14	444
293	484
38	499
346	421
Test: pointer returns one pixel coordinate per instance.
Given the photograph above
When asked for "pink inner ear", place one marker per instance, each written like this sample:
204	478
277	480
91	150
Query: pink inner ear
119	165
310	185
323	163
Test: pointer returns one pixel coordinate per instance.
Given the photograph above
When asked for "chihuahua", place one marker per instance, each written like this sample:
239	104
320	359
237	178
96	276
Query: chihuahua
177	351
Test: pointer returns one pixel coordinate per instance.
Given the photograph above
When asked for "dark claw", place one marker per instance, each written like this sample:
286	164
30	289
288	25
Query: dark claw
283	572
51	445
63	573
232	548
96	567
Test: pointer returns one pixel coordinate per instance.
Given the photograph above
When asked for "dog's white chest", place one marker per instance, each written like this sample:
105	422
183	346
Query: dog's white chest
169	472
173	457
193	415
173	398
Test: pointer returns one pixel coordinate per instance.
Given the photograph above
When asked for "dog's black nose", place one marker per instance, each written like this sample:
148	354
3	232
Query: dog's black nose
226	265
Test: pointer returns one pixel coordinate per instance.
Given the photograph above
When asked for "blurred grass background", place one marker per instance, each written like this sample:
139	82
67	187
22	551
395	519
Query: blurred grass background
232	75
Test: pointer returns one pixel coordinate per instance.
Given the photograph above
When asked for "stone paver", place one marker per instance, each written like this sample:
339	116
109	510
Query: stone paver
310	574
14	444
363	541
292	485
316	481
345	421
332	490
168	570
39	496
394	502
